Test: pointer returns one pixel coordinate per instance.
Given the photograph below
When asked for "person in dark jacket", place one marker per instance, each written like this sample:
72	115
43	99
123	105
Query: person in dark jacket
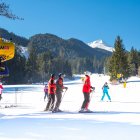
51	93
87	88
59	89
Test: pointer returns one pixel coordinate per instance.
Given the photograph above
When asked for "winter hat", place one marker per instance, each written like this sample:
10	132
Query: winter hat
86	75
61	74
52	75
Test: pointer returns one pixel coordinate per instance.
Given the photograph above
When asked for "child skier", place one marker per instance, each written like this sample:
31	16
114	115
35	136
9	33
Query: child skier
86	91
45	91
105	92
1	88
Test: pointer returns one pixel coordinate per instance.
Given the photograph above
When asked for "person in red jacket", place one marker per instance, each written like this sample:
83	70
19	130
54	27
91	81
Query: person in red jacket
51	93
1	88
87	88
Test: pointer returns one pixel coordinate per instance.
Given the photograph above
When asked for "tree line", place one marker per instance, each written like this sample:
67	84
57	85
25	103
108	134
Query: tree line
122	61
39	66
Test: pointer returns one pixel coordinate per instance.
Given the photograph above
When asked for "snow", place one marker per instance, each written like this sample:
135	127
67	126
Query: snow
101	45
24	51
24	118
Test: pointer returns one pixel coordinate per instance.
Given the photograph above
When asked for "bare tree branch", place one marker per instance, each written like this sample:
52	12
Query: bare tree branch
5	11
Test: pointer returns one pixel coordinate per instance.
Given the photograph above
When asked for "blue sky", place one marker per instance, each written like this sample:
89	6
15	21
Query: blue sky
86	20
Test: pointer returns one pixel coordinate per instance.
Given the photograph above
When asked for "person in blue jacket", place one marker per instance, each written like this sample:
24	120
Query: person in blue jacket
105	92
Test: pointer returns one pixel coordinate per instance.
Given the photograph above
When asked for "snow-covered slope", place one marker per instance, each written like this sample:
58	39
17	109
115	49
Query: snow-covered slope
100	44
24	51
22	116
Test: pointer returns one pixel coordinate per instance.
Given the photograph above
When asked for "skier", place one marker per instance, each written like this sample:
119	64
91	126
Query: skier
105	91
1	88
51	93
87	88
59	90
45	91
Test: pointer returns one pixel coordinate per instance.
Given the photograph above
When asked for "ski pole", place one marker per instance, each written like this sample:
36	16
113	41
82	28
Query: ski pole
63	95
92	93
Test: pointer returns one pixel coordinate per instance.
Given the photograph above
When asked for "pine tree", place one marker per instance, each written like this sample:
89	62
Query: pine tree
67	68
16	69
31	65
134	61
44	64
119	62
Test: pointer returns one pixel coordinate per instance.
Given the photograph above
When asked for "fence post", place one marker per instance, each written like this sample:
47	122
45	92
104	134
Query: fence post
16	90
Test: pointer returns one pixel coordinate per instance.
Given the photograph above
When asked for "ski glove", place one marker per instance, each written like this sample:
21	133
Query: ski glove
93	88
66	88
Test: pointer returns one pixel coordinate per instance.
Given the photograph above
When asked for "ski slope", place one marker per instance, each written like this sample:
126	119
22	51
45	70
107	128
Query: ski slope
22	116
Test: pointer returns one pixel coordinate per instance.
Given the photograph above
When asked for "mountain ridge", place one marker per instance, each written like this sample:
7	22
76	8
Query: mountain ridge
70	48
101	45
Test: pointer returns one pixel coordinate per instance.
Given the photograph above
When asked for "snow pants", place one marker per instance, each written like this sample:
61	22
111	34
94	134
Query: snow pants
105	93
46	95
51	101
58	100
0	96
86	100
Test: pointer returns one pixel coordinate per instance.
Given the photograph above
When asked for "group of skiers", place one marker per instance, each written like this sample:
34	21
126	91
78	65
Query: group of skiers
55	89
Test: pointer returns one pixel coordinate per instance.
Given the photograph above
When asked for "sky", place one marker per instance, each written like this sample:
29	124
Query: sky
86	20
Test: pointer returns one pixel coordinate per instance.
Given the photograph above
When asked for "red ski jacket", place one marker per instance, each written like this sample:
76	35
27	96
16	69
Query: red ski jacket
87	85
1	88
51	86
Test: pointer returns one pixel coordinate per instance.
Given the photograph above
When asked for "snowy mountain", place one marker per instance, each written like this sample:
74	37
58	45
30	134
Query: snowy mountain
101	45
43	42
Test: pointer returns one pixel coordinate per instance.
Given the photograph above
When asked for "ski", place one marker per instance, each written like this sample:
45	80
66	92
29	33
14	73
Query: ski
57	111
68	112
61	112
86	111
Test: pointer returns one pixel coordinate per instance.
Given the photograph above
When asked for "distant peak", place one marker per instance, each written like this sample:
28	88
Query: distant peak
98	41
101	45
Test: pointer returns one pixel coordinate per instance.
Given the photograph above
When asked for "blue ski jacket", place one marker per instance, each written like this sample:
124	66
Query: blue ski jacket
105	88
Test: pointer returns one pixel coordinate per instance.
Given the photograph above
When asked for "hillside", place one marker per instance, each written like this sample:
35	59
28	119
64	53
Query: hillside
49	53
70	48
15	38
